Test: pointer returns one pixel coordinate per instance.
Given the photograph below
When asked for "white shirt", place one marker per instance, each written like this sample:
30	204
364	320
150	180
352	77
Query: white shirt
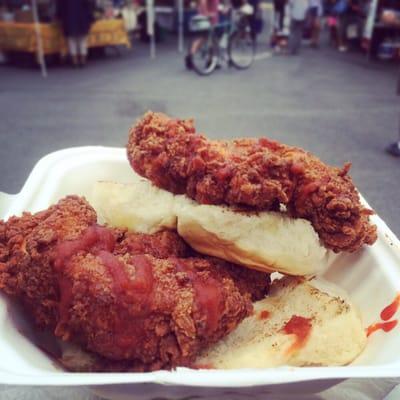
298	9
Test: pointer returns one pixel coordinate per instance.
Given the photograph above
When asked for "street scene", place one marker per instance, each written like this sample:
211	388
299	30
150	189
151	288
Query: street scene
300	81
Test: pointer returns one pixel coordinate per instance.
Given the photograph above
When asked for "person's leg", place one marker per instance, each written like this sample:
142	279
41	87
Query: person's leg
296	35
342	27
292	37
333	37
316	28
82	41
194	47
281	17
394	148
73	49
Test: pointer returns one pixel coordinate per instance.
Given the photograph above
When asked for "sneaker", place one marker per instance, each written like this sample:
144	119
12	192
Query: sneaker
188	62
342	49
393	149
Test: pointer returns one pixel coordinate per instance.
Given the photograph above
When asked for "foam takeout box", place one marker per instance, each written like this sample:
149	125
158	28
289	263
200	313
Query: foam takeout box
371	277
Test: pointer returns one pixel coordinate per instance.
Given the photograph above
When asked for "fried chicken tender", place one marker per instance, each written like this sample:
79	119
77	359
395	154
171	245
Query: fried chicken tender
153	312
133	301
26	249
257	174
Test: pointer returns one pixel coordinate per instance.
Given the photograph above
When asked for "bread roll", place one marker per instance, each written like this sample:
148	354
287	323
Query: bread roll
140	207
336	335
266	241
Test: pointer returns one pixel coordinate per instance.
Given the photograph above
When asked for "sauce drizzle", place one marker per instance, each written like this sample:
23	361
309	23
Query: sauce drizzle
301	327
207	295
391	309
386	314
264	314
385	326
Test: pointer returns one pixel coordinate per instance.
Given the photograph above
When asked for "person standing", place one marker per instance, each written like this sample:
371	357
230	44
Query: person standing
341	11
278	39
255	19
76	17
279	14
298	12
315	12
208	9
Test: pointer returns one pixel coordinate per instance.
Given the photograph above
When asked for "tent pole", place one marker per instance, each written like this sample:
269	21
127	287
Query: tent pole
39	42
180	26
150	26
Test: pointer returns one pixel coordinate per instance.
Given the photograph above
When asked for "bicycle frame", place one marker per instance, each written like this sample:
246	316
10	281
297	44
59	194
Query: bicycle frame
218	39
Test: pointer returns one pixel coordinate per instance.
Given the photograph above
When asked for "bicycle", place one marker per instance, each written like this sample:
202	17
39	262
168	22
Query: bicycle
232	41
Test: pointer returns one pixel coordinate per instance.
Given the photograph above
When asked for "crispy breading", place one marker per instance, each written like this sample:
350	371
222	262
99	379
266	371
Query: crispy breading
257	174
134	301
162	244
27	244
156	322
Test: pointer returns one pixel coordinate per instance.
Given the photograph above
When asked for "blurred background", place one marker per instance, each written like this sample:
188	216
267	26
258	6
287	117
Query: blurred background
321	75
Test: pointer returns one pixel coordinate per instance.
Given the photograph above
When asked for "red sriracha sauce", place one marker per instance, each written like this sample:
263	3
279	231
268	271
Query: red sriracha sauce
94	238
133	294
389	311
301	327
385	326
264	314
386	314
207	296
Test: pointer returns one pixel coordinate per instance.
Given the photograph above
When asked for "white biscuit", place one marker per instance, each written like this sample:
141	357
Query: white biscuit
266	241
140	207
336	336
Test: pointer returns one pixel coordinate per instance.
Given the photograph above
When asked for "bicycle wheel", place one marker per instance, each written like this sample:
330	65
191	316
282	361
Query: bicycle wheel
205	59
241	48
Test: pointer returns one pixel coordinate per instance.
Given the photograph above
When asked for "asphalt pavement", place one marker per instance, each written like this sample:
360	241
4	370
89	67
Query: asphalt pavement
339	106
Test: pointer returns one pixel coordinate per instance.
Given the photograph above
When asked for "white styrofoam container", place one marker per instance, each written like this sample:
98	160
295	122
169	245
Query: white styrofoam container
371	277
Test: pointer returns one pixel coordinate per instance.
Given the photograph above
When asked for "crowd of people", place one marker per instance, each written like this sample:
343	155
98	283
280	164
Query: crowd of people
296	18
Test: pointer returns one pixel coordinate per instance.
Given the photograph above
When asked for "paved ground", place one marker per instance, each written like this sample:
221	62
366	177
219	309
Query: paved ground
337	105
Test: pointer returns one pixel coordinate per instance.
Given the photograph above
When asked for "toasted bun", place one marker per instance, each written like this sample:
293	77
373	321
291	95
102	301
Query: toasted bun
336	337
266	241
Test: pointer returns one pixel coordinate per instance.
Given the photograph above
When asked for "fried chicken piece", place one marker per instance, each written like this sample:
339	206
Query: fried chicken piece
167	244
155	313
257	174
134	301
162	244
27	246
26	249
